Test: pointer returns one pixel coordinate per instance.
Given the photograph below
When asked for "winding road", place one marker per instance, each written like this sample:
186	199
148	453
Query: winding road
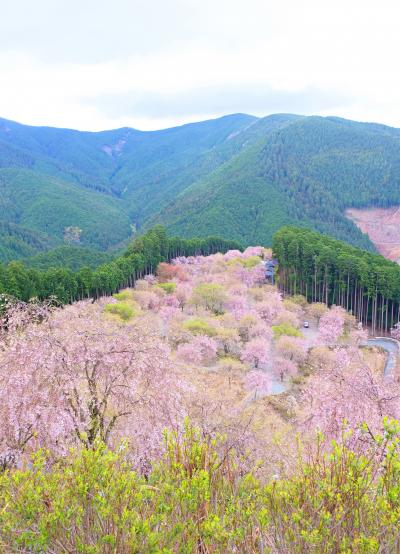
392	348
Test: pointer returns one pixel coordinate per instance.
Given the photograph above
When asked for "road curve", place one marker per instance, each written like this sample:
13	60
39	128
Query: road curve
392	348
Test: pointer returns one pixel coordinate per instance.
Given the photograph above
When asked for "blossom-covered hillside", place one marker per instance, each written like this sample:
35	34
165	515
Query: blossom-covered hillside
207	341
205	337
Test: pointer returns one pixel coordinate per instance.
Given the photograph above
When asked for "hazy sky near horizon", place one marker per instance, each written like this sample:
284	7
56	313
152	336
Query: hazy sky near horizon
96	64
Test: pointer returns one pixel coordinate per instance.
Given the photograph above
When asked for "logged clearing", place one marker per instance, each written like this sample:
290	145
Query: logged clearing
382	225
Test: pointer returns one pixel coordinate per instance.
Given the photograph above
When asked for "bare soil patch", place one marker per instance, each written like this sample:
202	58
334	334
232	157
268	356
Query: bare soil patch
382	225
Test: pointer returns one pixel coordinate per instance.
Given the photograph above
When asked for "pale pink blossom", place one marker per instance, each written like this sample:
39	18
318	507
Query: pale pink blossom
256	352
258	382
78	376
201	350
331	326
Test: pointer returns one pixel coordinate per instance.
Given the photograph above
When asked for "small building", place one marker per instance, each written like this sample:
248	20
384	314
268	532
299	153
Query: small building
271	263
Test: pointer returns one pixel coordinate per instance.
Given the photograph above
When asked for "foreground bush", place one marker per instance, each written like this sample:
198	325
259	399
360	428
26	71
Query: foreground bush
196	501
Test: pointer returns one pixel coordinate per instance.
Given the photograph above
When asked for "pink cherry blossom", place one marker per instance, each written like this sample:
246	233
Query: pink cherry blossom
258	382
331	326
284	368
256	352
78	376
200	350
395	331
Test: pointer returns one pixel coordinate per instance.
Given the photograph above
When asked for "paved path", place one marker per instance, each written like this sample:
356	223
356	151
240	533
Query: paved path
392	348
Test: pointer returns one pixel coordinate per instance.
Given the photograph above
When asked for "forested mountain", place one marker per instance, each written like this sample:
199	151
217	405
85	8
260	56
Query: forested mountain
238	176
307	172
51	179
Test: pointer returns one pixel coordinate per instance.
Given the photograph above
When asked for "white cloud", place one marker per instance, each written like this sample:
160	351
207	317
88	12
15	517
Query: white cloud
96	64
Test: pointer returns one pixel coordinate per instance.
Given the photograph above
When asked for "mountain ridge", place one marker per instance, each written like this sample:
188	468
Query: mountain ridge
238	176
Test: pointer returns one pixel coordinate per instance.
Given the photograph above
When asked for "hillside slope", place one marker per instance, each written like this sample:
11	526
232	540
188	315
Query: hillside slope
48	205
237	176
307	172
100	182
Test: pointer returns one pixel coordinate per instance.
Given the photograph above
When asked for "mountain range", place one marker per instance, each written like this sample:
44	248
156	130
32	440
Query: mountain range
238	176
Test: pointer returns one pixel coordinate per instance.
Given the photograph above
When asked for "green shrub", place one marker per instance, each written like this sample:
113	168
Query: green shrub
299	299
169	287
285	329
121	309
249	262
210	296
123	295
196	499
198	326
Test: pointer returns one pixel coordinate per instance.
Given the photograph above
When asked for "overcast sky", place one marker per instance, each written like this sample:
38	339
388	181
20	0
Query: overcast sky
102	64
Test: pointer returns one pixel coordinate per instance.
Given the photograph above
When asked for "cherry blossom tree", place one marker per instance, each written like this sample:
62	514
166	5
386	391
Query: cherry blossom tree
238	305
269	309
183	292
256	352
395	331
168	272
251	277
228	341
331	326
258	382
253	251
261	330
287	317
349	391
15	315
78	377
232	254
284	368
201	350
317	310
166	314
147	299
359	336
292	348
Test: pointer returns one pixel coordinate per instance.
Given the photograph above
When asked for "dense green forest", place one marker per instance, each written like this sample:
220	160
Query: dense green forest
52	179
69	256
47	206
238	177
307	172
330	271
19	242
141	258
